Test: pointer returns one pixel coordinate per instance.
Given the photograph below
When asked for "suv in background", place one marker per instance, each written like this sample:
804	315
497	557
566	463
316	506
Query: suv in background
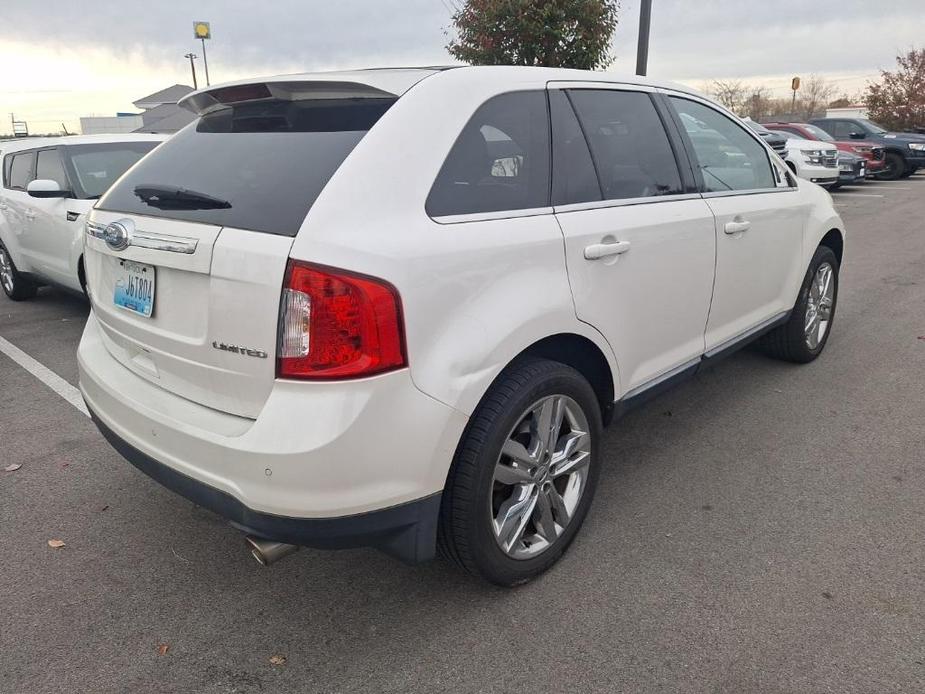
811	159
873	152
396	307
49	185
905	152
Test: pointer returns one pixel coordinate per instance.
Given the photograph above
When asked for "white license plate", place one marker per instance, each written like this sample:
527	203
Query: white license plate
134	288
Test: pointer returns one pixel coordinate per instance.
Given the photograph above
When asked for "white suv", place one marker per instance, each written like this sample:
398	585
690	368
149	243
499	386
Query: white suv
396	307
49	185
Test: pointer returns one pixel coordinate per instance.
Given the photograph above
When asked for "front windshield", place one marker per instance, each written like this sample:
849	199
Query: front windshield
819	133
872	127
96	167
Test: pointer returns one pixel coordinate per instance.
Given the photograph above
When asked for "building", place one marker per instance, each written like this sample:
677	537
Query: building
120	123
858	111
159	114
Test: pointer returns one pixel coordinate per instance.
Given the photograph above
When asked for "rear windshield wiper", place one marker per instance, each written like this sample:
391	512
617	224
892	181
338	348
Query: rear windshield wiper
176	198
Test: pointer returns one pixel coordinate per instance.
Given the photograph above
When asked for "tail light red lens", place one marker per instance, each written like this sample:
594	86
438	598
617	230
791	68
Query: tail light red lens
335	324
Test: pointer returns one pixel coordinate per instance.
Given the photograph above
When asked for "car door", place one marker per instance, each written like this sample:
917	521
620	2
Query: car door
52	233
759	220
16	208
639	243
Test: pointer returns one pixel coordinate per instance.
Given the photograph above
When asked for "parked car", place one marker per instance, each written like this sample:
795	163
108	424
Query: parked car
49	184
811	159
873	152
852	169
905	152
392	308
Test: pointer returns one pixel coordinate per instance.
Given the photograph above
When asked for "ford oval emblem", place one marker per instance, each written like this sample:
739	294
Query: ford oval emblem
118	235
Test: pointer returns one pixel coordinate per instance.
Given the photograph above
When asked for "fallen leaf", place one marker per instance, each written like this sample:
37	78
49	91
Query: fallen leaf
162	648
64	465
56	544
104	507
12	468
277	660
922	337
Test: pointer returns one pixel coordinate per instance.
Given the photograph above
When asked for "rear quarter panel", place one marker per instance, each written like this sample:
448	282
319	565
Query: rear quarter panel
474	294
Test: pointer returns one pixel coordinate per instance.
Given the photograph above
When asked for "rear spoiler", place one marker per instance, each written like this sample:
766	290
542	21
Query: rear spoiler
209	100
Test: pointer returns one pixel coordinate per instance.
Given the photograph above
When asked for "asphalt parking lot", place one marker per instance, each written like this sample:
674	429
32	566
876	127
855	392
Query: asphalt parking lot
759	529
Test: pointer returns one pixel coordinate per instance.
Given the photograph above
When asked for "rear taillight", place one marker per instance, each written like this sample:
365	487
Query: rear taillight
335	324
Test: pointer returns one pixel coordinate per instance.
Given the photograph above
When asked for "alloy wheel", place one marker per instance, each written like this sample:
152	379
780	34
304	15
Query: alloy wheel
819	305
6	271
540	477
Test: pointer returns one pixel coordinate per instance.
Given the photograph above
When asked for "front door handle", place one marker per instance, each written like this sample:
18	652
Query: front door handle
603	250
3	206
737	226
30	214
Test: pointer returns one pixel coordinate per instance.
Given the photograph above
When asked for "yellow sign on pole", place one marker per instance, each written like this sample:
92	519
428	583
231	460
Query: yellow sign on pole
201	30
795	84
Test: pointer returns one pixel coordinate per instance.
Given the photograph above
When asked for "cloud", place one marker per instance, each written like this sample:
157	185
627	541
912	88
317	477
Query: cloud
97	57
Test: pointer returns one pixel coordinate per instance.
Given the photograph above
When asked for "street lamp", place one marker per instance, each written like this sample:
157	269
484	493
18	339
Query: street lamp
192	57
642	50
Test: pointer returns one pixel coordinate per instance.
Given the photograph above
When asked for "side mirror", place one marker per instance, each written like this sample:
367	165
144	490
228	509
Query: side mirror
45	188
857	136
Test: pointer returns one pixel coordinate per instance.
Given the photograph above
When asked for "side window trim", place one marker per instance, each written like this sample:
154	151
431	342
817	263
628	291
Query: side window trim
693	156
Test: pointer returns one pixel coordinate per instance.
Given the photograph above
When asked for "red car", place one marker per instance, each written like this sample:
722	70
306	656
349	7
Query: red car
871	151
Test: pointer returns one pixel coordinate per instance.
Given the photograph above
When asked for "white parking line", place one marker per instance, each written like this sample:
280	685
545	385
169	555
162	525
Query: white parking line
45	375
856	195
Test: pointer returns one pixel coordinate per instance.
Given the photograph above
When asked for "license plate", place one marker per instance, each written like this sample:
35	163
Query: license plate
135	287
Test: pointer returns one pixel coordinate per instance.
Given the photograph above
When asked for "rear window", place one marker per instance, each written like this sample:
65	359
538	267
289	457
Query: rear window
96	167
256	166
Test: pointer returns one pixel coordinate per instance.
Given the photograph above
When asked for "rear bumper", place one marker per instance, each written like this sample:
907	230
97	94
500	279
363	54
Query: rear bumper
318	459
407	531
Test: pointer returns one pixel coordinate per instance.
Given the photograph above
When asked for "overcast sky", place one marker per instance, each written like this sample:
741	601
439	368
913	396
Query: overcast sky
94	57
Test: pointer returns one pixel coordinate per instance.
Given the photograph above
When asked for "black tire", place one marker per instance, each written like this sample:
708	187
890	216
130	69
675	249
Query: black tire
465	534
15	285
894	168
788	341
836	185
907	173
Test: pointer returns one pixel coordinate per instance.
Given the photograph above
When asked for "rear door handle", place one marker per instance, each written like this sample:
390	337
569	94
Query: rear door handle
737	226
603	250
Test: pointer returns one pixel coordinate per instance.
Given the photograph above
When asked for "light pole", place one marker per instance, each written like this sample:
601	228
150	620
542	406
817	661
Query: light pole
203	31
642	51
192	57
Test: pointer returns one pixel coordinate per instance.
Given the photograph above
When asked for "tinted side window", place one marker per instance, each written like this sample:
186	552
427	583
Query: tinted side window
628	142
48	166
500	160
21	170
573	176
728	157
842	129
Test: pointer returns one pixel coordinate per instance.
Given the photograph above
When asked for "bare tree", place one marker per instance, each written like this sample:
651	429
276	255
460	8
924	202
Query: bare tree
817	92
730	93
759	104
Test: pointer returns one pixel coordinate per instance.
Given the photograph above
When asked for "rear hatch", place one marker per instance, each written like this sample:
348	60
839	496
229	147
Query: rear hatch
192	302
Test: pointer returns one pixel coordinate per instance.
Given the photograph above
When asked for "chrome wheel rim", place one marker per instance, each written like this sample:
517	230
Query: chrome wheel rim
540	477
6	270
819	305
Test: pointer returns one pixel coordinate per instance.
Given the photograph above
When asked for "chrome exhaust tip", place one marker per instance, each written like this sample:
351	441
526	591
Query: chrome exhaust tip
267	552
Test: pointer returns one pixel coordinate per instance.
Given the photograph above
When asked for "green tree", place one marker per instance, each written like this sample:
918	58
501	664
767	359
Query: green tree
898	99
552	33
